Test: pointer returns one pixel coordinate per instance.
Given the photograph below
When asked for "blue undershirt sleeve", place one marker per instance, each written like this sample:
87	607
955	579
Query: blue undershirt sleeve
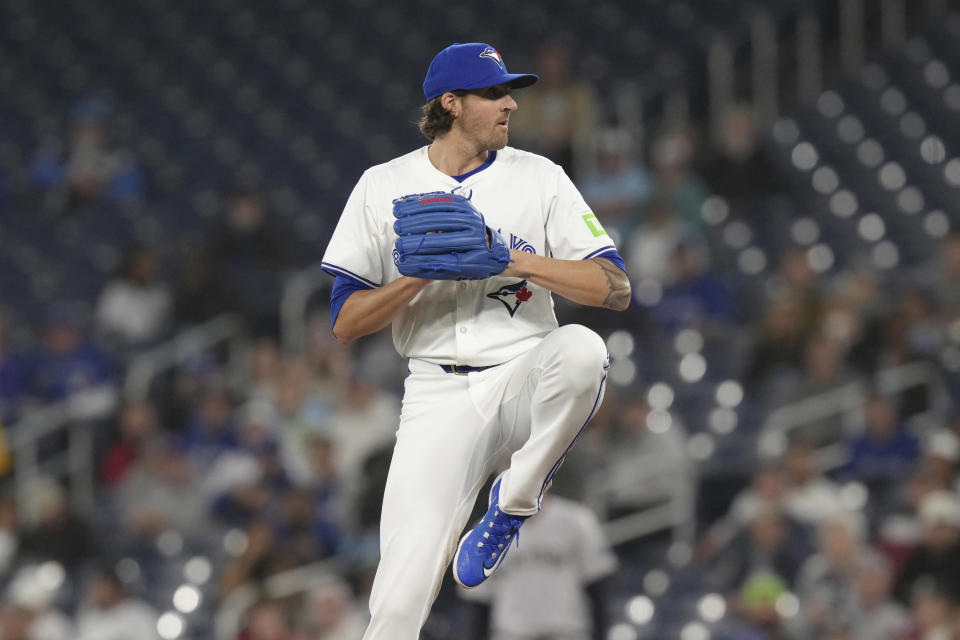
343	286
613	256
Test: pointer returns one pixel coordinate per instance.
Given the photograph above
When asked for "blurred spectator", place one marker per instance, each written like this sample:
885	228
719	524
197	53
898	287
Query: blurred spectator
824	370
693	297
35	589
877	616
945	276
651	244
111	613
89	169
937	557
366	421
770	543
555	584
160	492
618	187
810	497
737	168
633	466
266	369
778	340
766	492
303	412
266	620
796	278
676	184
263	556
249	252
12	375
136	425
211	429
755	615
67	362
855	316
246	481
826	585
932	609
556	116
9	533
134	307
941	453
53	531
16	622
884	453
199	293
330	612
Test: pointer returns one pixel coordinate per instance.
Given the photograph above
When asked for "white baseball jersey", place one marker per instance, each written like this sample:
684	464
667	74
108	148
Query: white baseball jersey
533	204
540	589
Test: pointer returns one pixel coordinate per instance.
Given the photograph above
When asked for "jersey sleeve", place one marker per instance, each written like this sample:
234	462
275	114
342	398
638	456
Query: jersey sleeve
573	231
355	247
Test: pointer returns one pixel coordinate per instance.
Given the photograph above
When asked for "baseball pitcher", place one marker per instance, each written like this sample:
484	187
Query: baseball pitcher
458	245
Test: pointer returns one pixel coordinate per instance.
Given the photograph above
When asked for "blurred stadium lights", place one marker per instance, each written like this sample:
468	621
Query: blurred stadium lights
830	104
722	420
752	261
659	421
850	129
640	610
51	575
170	625
692	367
712	607
910	201
843	204
785	131
648	292
729	394
804	231
804	156
737	234
170	543
622	631
688	341
871	227
932	150
197	570
701	446
694	630
825	180
235	542
787	605
936	224
886	255
186	598
620	344
656	582
854	496
660	396
714	210
870	153
128	570
623	372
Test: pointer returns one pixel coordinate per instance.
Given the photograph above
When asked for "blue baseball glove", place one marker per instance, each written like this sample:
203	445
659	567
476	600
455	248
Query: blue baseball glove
441	236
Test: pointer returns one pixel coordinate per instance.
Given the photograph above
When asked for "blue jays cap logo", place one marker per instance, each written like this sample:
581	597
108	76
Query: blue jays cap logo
492	54
512	295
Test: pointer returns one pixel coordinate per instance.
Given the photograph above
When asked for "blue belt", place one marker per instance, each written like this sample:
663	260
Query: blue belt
463	369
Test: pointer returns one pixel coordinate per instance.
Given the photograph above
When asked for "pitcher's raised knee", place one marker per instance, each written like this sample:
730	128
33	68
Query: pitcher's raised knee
579	348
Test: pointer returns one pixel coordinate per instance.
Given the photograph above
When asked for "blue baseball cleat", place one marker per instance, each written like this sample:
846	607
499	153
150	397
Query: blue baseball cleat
483	548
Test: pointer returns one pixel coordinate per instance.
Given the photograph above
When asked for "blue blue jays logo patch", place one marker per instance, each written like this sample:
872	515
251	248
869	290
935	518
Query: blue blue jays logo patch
491	54
512	295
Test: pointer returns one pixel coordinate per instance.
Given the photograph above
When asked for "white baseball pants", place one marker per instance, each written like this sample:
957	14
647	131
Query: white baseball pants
455	430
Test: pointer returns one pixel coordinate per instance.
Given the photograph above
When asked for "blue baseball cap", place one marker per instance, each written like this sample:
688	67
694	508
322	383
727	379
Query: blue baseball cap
473	65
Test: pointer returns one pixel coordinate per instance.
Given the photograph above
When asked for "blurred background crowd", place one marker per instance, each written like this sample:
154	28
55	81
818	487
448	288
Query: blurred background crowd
187	452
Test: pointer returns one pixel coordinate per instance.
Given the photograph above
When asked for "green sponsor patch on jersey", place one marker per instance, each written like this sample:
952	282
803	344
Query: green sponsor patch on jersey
594	225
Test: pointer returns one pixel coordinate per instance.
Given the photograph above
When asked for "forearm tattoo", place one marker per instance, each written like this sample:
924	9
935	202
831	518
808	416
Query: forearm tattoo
618	297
